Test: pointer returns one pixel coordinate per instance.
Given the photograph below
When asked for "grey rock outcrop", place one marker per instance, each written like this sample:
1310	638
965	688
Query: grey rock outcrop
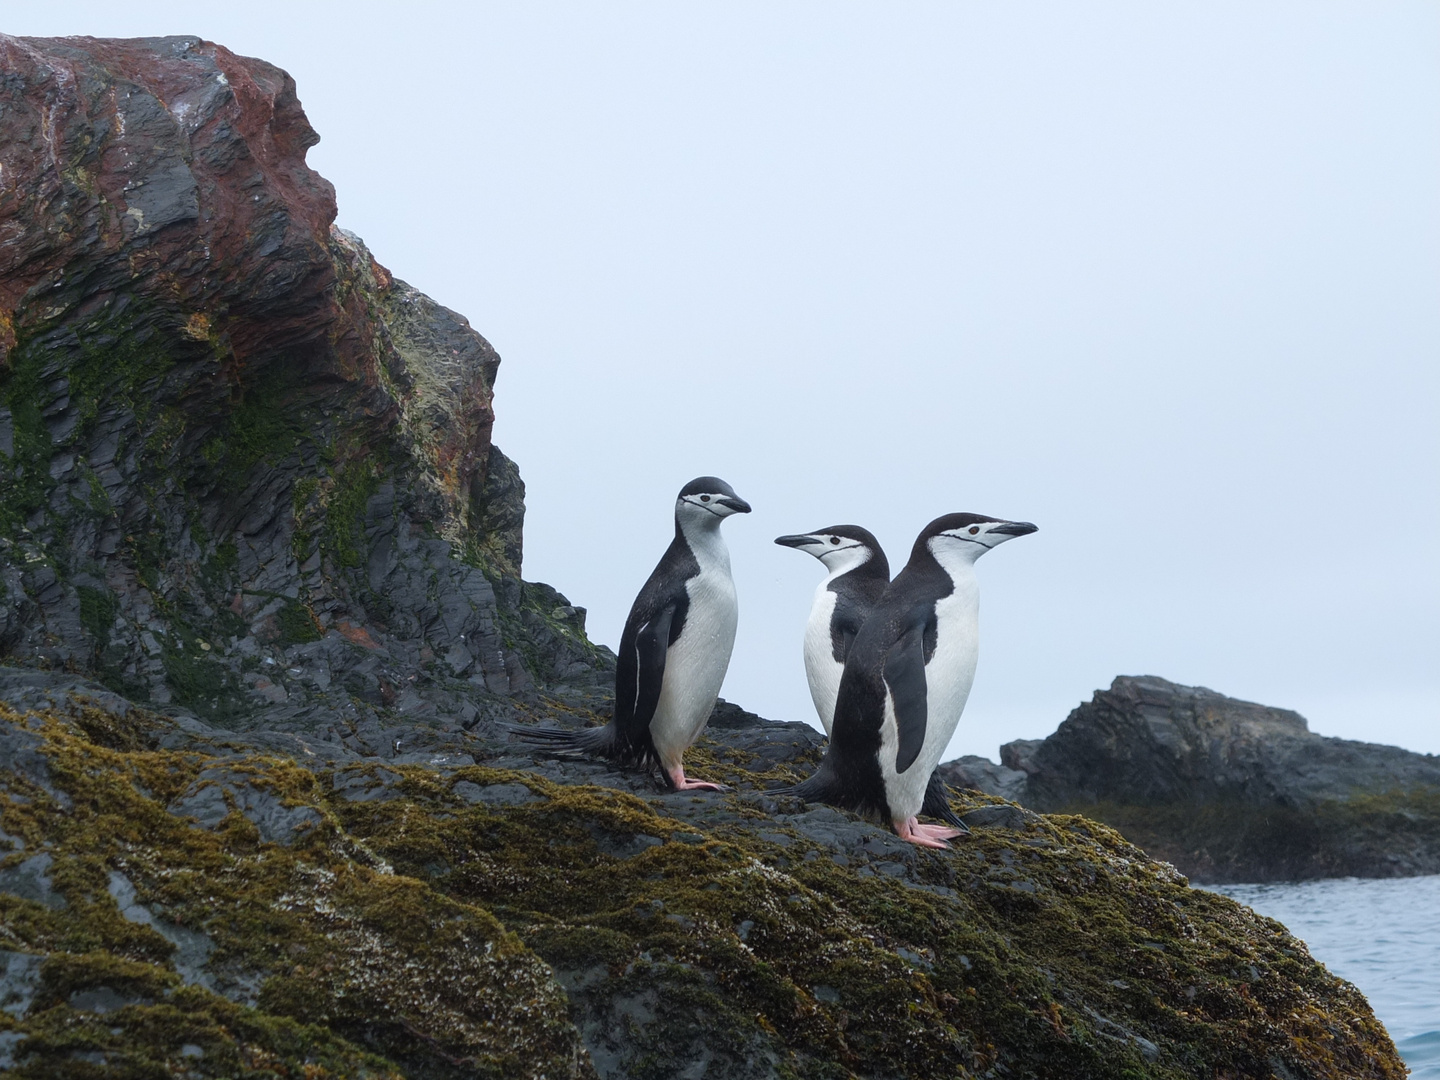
981	774
1227	789
1146	740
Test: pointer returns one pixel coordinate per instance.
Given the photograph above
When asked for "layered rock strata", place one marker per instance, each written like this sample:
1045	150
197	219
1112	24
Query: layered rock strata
242	468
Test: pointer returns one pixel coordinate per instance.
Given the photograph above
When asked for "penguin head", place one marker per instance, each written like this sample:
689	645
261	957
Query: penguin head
840	548
708	500
965	537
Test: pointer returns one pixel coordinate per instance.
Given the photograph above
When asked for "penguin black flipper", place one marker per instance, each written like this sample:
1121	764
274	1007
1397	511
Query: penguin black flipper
636	707
905	680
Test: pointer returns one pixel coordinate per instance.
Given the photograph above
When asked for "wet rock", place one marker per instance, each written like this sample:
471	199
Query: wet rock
192	948
1003	816
20	750
496	794
218	792
180	339
655	912
29	879
367	785
19	981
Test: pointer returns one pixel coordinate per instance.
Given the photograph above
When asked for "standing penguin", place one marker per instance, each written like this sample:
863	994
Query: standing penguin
907	677
858	575
675	648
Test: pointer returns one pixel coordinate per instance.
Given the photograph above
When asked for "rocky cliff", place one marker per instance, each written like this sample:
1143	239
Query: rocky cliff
263	619
242	468
1227	790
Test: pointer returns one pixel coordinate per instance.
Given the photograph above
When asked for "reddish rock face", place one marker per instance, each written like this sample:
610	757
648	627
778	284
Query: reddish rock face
169	168
223	426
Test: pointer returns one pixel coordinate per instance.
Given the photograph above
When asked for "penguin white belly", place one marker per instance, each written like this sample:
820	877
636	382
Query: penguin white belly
948	678
822	672
695	665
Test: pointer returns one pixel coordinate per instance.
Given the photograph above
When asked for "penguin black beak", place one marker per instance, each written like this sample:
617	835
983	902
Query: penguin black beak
739	505
1015	528
794	541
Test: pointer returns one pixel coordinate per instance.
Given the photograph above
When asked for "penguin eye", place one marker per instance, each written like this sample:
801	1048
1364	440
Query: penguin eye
704	498
834	540
974	529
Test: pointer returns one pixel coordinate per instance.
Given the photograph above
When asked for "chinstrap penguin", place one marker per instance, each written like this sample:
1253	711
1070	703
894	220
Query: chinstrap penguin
675	648
906	679
858	574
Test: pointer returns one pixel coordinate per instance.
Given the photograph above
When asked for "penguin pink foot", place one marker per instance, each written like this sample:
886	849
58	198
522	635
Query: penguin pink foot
938	832
678	778
932	836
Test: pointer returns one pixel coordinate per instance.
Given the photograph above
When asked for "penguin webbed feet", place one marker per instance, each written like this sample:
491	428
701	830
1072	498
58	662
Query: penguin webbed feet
680	782
931	836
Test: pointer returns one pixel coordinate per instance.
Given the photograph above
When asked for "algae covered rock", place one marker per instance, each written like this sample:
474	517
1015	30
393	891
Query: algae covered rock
485	914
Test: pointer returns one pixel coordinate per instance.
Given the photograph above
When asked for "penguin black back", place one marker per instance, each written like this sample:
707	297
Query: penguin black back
675	646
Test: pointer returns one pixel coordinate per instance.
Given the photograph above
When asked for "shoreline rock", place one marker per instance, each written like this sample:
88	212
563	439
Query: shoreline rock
466	909
1226	790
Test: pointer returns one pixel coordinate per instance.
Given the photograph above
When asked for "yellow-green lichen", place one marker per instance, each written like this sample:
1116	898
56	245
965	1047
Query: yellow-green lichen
441	931
327	938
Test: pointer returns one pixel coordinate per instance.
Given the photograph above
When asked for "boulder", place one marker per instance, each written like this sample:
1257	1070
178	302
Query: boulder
1230	790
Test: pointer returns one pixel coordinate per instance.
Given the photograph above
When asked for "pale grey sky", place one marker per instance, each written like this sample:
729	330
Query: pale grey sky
1163	279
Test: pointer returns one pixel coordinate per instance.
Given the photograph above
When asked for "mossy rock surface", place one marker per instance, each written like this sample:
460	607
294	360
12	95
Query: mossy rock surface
174	902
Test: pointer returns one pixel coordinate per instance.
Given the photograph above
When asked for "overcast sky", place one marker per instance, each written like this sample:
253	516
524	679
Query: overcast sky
1162	279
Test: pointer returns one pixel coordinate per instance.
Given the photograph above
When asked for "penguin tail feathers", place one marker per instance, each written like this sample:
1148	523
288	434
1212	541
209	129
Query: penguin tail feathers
599	741
937	804
822	786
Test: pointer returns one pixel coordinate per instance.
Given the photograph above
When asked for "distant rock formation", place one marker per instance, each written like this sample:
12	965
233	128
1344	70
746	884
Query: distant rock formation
1226	790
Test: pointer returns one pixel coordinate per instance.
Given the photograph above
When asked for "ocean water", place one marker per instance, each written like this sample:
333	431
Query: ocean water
1383	935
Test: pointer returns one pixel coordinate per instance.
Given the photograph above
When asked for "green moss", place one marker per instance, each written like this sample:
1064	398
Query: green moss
298	624
198	680
343	537
227	557
98	608
361	972
99	500
148	551
1028	951
25	479
305	490
134	731
305	506
170	1030
116	363
216	573
265	425
410	927
120	362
